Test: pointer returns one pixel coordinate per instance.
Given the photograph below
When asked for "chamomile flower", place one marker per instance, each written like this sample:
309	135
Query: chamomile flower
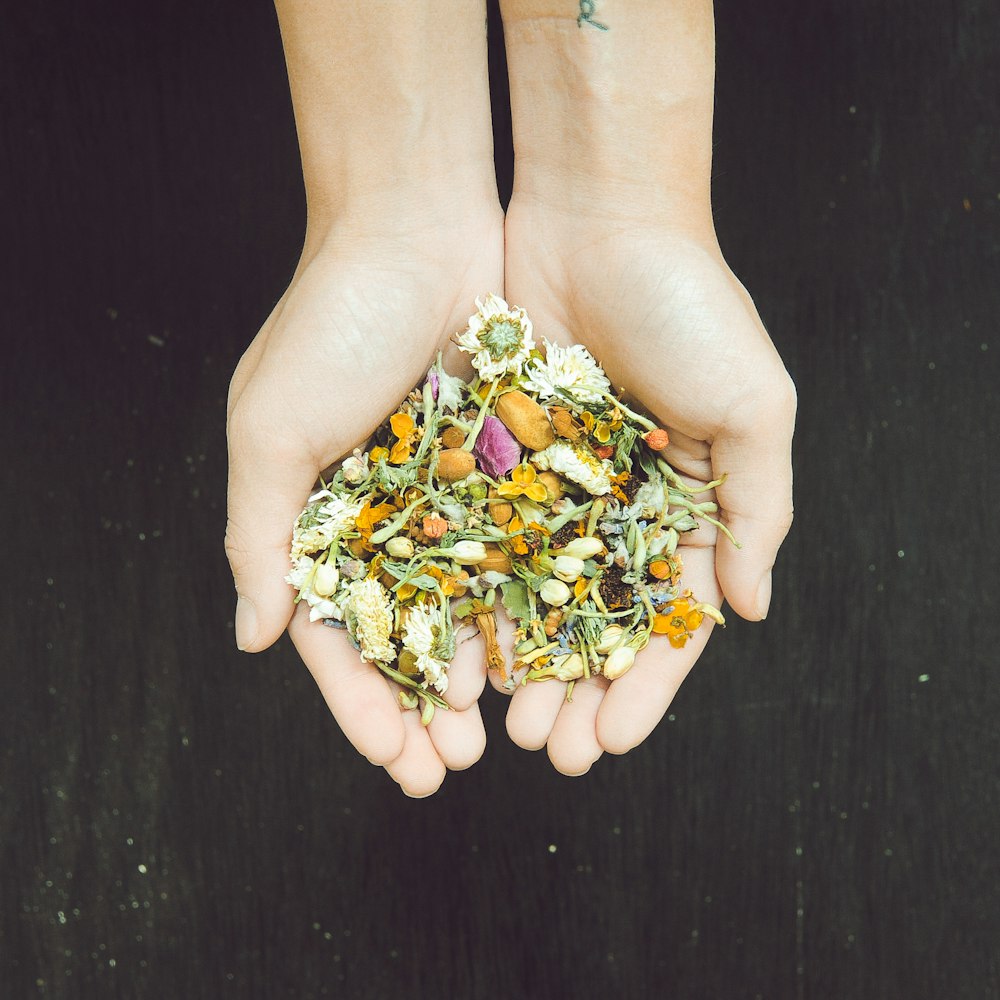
420	637
577	466
567	370
369	619
320	523
498	338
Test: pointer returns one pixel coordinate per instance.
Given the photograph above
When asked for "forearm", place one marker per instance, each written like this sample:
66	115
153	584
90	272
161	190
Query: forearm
391	102
612	103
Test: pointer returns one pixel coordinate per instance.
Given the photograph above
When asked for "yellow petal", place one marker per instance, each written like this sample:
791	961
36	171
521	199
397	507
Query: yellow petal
400	452
402	424
509	490
536	492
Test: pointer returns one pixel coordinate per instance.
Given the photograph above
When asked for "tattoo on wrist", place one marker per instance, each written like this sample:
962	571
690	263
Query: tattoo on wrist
587	10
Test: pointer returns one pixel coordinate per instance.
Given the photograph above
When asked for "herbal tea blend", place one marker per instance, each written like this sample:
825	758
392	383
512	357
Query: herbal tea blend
534	484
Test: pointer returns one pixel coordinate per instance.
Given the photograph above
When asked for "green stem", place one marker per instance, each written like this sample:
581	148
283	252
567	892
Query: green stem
470	441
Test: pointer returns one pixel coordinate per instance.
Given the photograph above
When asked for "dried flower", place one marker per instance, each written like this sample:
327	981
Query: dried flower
567	370
522	484
420	637
497	450
657	439
618	662
555	593
355	467
498	338
405	429
567	568
466	553
526	420
434	526
399	547
678	622
369	619
577	466
582	548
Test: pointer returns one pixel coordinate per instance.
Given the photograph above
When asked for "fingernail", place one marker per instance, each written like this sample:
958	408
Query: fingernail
246	623
763	601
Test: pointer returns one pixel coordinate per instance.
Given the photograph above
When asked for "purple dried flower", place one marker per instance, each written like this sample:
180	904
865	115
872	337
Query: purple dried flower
496	448
435	382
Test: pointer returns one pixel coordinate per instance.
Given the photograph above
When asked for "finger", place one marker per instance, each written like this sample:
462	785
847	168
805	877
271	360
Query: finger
533	711
418	769
458	737
573	745
636	701
754	451
270	479
505	638
355	691
467	672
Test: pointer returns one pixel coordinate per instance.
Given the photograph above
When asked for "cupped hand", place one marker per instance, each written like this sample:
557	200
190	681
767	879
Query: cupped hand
673	327
360	323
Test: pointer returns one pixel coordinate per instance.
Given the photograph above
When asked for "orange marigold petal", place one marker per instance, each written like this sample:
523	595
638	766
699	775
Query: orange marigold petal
402	424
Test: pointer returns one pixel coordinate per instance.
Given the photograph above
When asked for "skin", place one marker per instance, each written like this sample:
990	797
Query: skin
610	240
404	231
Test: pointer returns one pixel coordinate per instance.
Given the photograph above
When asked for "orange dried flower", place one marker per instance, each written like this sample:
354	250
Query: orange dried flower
679	622
657	439
435	526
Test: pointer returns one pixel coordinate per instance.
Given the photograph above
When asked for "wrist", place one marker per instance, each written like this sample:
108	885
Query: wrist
617	119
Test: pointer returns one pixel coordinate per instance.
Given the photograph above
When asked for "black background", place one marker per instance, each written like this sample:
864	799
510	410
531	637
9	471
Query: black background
816	818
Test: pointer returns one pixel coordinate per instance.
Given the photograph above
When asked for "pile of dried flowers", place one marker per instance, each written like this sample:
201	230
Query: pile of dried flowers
534	482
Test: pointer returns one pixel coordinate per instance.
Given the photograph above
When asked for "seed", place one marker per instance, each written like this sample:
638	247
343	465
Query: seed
455	464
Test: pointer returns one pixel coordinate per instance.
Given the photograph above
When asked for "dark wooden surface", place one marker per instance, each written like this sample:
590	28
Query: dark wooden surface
817	817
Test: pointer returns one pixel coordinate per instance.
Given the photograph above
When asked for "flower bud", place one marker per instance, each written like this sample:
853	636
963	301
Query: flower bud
399	547
582	548
325	580
466	553
567	569
619	662
555	593
355	469
567	668
608	639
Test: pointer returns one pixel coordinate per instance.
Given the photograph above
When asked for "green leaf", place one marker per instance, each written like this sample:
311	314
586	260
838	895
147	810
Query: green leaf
515	600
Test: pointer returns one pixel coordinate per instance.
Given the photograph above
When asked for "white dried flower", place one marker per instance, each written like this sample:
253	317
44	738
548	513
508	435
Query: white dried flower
619	662
577	466
355	467
466	553
571	370
498	338
399	547
369	619
567	568
608	639
303	578
567	668
420	636
555	593
325	579
582	548
320	523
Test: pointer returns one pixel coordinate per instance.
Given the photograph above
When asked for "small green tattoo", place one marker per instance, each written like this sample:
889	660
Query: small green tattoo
587	10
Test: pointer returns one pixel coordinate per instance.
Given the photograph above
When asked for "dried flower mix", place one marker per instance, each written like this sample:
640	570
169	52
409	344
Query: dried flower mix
532	485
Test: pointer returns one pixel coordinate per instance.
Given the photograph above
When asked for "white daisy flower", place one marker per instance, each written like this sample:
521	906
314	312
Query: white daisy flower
369	619
577	466
420	637
571	370
320	523
320	595
498	338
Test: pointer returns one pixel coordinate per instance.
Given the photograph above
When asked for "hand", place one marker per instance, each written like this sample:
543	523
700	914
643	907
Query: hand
663	313
355	331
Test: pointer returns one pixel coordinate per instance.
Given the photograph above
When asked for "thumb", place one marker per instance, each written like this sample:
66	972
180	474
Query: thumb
754	451
269	481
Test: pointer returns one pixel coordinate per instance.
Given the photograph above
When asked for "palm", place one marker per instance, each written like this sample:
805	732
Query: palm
675	329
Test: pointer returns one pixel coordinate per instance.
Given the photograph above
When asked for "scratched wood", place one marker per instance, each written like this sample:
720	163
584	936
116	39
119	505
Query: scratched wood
816	818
